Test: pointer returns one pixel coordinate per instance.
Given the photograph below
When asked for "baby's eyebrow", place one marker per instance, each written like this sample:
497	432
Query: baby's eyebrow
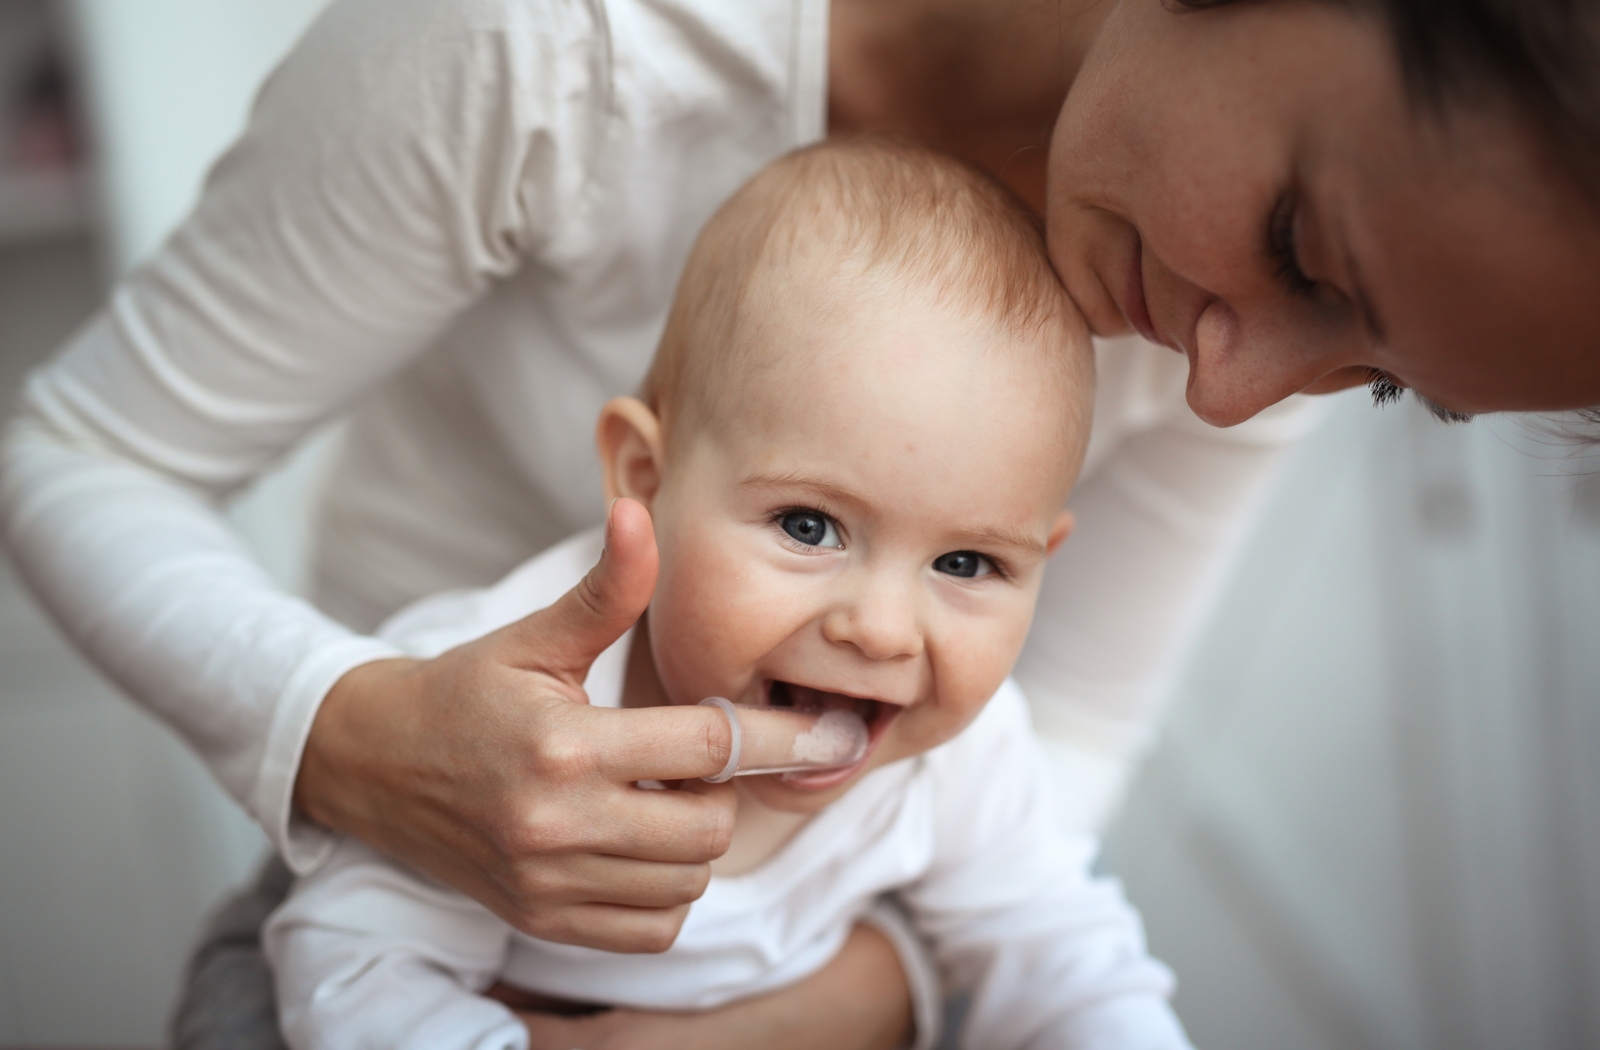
1000	536
795	479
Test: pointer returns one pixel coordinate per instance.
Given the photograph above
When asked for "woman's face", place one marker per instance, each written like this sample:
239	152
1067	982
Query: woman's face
1249	185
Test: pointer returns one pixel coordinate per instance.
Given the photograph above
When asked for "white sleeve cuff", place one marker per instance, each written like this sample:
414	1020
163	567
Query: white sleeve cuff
303	844
922	973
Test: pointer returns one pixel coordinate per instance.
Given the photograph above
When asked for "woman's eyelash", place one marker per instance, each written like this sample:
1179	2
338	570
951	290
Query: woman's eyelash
1281	248
1385	391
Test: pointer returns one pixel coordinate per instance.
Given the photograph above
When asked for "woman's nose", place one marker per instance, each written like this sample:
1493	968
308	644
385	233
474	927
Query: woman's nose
1237	370
879	620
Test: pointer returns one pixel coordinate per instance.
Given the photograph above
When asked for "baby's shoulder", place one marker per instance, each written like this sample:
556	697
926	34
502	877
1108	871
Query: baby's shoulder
442	621
991	783
994	754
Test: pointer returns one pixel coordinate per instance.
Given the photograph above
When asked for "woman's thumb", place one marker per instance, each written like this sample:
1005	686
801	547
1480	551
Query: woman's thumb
565	638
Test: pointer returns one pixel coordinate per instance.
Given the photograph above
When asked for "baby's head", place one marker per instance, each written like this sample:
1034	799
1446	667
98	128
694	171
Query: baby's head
867	410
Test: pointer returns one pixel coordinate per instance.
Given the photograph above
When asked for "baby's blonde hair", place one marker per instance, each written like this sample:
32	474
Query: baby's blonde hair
859	206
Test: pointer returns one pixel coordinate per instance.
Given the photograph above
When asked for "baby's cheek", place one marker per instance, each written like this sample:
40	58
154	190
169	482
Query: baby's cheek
935	721
708	621
969	671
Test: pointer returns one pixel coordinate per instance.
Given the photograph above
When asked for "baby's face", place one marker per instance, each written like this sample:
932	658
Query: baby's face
865	526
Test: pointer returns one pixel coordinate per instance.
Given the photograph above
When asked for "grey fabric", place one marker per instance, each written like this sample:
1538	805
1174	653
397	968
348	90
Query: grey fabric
955	1018
227	1001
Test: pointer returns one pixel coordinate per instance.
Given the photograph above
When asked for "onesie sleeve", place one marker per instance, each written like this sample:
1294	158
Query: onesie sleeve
406	155
1050	956
367	956
1157	521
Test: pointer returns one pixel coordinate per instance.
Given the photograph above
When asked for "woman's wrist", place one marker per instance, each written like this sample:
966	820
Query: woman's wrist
345	739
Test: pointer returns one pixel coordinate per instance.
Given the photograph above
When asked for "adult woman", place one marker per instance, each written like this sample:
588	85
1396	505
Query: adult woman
495	195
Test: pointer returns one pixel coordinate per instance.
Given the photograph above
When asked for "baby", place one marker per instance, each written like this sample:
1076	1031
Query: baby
867	410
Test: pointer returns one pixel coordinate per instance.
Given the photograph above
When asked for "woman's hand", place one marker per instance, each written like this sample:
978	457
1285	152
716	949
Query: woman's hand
859	1001
487	768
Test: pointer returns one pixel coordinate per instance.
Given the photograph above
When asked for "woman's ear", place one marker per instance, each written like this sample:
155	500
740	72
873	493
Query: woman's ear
631	450
1059	531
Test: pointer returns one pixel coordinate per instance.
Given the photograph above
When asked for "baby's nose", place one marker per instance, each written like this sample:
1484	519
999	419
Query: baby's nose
880	621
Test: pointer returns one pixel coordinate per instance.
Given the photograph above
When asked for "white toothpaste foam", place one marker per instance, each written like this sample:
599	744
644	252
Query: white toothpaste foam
838	738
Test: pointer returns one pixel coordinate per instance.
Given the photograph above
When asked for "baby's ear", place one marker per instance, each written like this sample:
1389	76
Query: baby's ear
1059	531
631	451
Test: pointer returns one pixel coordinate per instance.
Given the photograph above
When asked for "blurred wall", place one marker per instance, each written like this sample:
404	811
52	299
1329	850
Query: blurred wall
114	841
168	85
1373	821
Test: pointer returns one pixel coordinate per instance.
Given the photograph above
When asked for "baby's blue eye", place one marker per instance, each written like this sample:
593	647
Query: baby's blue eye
810	528
966	564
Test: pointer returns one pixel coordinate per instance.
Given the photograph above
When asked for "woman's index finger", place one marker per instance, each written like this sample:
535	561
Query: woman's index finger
664	743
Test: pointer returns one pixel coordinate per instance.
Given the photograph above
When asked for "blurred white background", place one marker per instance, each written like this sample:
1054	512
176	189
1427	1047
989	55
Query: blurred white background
114	842
1372	821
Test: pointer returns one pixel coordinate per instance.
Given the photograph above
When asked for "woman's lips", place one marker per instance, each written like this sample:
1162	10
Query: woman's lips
1135	307
876	713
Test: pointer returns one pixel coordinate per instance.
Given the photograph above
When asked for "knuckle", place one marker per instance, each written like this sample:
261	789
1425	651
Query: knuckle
540	922
717	740
660	930
719	832
695	885
540	829
536	887
564	756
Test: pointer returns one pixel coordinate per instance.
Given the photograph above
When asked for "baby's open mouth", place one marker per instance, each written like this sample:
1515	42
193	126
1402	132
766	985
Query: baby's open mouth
875	713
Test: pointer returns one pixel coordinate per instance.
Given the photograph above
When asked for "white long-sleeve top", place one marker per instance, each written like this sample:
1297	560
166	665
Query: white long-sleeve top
463	223
367	954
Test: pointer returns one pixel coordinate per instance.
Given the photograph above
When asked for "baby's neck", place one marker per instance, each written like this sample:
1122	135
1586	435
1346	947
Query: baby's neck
758	831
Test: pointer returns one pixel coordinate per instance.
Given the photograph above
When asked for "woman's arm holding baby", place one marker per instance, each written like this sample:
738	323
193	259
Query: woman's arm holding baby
858	1002
1156	520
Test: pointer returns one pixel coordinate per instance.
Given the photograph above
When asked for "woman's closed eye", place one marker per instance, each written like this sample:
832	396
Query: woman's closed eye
810	528
1283	251
965	564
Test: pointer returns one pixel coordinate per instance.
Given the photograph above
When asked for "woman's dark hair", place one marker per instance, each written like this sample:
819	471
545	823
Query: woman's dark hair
1542	55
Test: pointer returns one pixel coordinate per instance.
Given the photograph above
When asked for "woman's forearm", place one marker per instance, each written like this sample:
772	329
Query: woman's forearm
859	1001
330	247
149	581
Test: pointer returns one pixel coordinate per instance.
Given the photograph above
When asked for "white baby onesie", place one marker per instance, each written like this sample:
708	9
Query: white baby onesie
369	954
